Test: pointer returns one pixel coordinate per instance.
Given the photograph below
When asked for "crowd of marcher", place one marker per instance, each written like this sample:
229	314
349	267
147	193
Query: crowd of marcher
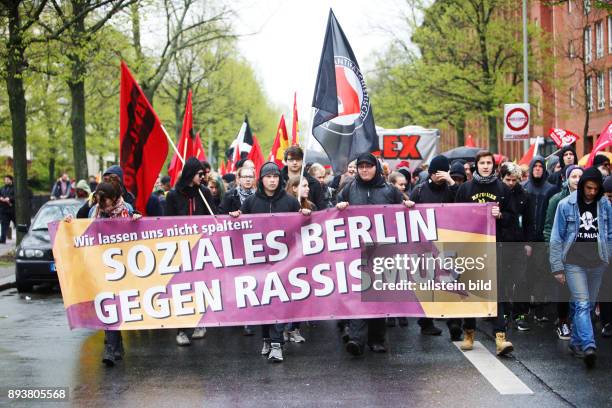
553	225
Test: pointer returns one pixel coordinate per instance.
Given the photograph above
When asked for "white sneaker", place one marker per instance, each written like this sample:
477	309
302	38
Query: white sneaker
182	339
296	337
199	333
276	353
265	349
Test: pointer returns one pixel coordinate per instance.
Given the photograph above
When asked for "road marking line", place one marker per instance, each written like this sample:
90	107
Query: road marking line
500	376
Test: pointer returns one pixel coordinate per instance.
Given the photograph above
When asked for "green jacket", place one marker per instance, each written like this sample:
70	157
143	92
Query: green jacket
552	209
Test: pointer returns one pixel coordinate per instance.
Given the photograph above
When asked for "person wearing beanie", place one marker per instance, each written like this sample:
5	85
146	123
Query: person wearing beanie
602	163
439	188
369	188
186	200
270	197
485	187
457	173
580	254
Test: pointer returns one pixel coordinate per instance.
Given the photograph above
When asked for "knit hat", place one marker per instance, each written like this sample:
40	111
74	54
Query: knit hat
83	185
438	163
569	169
608	184
600	159
457	169
269	169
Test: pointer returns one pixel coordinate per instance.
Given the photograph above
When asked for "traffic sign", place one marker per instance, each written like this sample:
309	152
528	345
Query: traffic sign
516	121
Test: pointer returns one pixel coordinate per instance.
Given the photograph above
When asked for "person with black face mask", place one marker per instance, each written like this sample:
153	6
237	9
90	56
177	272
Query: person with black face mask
368	188
185	199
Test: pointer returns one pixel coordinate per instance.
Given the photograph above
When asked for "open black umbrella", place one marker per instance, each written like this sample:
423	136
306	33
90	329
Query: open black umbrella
462	152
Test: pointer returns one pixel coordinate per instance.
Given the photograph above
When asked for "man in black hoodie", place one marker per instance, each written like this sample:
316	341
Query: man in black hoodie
368	188
270	197
540	191
294	157
567	156
485	187
439	188
7	206
185	199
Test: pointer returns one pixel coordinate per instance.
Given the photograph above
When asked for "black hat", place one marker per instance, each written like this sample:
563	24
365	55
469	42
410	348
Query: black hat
600	159
607	184
438	163
366	158
269	168
457	169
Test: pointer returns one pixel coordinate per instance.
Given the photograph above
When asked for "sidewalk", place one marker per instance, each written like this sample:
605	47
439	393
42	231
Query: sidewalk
7	273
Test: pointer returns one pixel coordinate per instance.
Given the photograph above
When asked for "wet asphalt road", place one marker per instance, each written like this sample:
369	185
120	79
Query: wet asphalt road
225	369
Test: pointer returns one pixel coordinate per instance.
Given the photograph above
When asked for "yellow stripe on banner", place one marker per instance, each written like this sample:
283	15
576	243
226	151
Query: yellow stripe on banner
448	235
449	309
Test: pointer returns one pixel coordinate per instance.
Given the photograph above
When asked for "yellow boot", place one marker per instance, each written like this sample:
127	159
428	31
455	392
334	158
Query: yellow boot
502	346
468	340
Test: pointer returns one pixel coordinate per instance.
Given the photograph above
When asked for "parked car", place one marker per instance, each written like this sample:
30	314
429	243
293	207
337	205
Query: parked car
34	262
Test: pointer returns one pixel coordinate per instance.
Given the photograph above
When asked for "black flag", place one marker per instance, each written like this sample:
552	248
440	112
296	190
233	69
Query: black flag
343	122
244	141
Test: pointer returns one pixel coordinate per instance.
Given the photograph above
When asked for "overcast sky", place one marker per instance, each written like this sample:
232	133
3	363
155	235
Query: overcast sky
286	48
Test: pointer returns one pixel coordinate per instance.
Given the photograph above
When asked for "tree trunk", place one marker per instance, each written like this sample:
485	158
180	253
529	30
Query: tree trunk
492	124
15	64
460	128
76	83
135	16
52	153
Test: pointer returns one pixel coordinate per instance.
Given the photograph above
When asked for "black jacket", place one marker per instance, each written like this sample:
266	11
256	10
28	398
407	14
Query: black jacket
185	200
259	202
430	192
495	192
376	191
315	195
540	191
230	202
7	191
517	225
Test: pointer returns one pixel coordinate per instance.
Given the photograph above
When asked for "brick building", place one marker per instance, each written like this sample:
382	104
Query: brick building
579	96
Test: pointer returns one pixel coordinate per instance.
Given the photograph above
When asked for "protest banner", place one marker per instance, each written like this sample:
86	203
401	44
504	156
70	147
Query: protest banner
197	271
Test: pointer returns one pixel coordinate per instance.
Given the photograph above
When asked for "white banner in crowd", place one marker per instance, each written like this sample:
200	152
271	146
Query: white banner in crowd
413	144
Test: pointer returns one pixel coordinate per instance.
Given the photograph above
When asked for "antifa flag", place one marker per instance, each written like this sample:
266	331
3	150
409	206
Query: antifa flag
343	122
143	142
244	141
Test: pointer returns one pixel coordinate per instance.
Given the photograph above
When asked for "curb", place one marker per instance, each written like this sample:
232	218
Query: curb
7	283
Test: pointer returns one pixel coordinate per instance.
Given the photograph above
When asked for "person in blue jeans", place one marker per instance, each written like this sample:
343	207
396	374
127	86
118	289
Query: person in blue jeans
579	255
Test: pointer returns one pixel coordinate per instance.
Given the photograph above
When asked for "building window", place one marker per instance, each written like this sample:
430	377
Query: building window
610	86
589	93
587	7
588	45
599	40
572	95
609	34
601	91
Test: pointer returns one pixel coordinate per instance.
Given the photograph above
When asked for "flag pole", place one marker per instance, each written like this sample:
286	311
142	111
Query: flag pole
183	161
305	149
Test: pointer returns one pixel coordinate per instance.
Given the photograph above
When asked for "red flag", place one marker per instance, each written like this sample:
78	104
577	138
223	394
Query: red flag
562	137
185	144
236	159
295	125
281	142
198	149
603	141
529	155
469	141
143	140
256	155
222	170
